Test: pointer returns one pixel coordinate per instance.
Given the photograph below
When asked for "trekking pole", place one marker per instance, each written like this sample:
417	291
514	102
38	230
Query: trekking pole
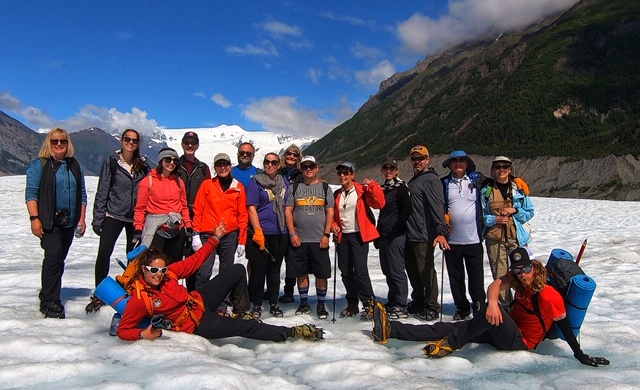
335	276
271	257
441	284
582	248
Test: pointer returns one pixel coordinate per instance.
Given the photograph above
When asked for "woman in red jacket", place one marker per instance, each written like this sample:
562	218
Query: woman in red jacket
161	217
155	290
355	227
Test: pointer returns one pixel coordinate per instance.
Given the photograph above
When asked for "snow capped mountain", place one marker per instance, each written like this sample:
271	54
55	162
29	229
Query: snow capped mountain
225	139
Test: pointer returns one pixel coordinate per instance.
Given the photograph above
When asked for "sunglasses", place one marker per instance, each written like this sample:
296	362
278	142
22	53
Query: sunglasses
525	270
169	160
155	270
59	142
459	159
343	173
506	166
388	168
308	167
419	158
243	153
274	163
294	154
222	164
190	143
130	140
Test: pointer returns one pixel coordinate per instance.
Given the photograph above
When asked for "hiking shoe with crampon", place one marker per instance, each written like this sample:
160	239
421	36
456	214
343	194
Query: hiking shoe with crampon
308	332
381	324
426	315
304	308
53	310
438	349
256	311
461	315
396	312
350	311
246	316
95	305
276	311
366	314
321	311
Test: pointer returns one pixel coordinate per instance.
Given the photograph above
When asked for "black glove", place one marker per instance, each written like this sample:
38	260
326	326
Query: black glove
376	243
96	229
592	361
189	232
158	321
137	237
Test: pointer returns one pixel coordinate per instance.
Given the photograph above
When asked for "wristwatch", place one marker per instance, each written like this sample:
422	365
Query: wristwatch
327	235
33	217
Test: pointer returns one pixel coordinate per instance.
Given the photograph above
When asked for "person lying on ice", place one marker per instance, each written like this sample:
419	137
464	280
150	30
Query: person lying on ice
155	290
519	330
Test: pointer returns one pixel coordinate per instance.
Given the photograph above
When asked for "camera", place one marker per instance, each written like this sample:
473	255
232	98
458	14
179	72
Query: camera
62	217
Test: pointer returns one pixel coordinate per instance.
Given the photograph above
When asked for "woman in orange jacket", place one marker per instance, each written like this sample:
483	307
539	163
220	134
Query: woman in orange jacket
355	227
222	199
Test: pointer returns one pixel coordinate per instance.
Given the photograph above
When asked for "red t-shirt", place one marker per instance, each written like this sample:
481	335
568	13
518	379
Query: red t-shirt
551	306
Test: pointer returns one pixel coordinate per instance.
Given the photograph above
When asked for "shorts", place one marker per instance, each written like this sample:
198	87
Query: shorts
309	258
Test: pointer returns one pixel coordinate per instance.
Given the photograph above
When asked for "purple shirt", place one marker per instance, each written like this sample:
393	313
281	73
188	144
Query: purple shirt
263	201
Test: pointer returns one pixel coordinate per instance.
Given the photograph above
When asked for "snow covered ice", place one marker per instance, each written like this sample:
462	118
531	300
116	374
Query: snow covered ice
77	352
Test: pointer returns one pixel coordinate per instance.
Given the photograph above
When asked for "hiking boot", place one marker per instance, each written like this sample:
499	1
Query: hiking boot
256	311
246	316
461	315
53	310
414	308
276	311
93	306
381	324
304	308
308	332
366	314
396	312
427	315
438	349
350	311
223	313
286	298
321	311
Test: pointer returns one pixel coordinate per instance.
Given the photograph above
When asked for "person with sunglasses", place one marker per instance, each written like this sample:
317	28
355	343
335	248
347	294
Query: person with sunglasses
519	330
506	210
114	203
290	170
392	222
266	197
161	218
56	199
426	229
309	215
222	199
354	227
245	170
155	290
463	208
192	171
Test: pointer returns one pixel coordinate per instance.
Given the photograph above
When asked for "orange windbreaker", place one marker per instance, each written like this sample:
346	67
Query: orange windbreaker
375	199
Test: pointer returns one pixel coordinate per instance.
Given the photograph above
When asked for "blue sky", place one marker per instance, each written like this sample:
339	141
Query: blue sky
289	67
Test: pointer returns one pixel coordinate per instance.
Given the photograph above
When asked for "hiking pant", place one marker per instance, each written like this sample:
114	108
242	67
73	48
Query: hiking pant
506	336
391	251
56	243
422	275
172	247
110	231
232	281
456	259
266	265
352	261
498	254
226	252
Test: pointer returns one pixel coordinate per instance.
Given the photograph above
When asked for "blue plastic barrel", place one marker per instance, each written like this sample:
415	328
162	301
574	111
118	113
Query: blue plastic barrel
579	294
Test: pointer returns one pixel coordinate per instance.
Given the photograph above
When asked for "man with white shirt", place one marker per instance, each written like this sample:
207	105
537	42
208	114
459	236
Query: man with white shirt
462	192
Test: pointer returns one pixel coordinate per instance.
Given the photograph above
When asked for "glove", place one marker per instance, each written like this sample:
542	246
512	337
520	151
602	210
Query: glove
196	242
258	238
97	229
189	232
376	243
240	250
592	361
137	237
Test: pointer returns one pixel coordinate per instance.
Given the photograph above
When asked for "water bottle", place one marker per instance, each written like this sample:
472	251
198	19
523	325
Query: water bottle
78	232
115	321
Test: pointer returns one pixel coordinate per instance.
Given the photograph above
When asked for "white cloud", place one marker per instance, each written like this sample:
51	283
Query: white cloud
468	19
343	18
220	100
281	114
361	51
314	75
372	77
280	30
200	94
266	48
9	102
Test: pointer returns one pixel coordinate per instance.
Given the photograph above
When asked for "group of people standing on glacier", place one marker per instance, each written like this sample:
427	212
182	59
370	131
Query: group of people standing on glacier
282	212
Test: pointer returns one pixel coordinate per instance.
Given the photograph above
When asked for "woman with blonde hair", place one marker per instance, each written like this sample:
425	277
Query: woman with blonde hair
56	200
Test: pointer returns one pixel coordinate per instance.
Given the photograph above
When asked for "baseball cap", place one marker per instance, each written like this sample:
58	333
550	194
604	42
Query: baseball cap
520	257
221	156
389	161
347	165
190	135
308	159
420	150
501	159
